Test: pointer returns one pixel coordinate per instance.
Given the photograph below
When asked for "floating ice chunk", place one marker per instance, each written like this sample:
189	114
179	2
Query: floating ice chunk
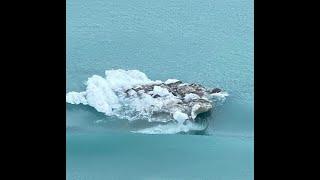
100	95
191	96
113	95
160	91
180	116
170	81
76	98
220	96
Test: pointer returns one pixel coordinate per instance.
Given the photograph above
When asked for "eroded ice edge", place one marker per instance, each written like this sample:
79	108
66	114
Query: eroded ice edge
113	96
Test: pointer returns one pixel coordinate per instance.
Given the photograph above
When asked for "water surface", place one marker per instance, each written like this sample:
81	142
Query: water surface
208	42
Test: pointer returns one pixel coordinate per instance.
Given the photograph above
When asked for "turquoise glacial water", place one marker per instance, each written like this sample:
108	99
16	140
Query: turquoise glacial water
208	42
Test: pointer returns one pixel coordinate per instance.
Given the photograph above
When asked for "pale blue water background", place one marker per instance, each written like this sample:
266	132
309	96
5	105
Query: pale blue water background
208	42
